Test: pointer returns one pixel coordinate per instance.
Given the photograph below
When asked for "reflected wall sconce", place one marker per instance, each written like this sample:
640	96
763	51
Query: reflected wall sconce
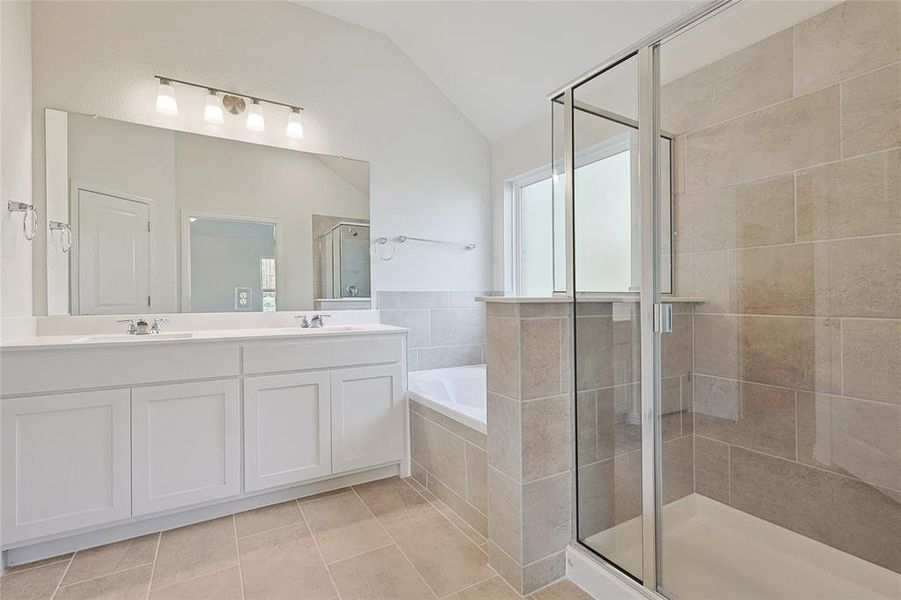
218	101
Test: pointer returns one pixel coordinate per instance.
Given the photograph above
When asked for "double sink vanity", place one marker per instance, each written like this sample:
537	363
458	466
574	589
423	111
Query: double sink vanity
110	435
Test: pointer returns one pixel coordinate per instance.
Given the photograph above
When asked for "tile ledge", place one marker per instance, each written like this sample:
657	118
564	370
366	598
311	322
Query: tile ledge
586	297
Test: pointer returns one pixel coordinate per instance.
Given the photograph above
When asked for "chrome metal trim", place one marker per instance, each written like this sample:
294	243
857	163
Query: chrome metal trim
690	18
164	79
569	170
406	238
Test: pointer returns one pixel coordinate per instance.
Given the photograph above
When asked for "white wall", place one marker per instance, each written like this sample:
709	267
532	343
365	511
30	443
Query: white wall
15	156
363	98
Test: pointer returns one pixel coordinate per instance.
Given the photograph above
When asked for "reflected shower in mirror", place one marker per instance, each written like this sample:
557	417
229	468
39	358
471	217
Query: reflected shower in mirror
165	221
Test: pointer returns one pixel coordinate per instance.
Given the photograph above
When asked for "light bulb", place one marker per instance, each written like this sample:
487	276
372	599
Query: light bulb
295	125
255	120
212	112
165	98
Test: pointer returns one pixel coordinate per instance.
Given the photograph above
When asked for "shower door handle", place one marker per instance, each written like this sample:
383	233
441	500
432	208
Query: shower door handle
663	318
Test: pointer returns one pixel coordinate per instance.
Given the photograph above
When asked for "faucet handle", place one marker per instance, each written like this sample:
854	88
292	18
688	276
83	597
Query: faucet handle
132	325
155	328
304	322
320	318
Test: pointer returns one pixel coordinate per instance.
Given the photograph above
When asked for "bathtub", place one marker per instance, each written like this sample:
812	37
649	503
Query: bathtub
459	393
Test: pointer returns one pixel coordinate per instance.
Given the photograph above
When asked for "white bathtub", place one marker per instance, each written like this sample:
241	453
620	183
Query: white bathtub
459	393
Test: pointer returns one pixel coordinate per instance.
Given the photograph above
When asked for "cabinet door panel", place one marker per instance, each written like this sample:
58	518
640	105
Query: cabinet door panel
287	435
367	417
185	444
65	462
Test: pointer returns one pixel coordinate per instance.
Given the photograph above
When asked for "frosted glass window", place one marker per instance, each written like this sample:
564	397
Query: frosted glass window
536	260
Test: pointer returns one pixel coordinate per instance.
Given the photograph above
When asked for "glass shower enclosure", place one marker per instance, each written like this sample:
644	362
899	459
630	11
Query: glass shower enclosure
344	265
738	407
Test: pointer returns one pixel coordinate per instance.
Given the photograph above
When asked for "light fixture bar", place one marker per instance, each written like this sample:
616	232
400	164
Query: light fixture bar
222	91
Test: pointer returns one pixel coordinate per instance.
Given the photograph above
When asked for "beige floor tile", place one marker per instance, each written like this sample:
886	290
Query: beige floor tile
390	498
37	563
222	585
493	589
125	585
322	495
343	526
267	517
446	558
195	550
379	575
562	590
32	584
111	558
284	563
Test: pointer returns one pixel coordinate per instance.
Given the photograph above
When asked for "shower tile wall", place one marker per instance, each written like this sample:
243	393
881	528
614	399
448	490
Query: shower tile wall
788	219
447	329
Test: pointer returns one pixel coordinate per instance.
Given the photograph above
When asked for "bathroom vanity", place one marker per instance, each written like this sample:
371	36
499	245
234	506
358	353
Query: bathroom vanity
108	436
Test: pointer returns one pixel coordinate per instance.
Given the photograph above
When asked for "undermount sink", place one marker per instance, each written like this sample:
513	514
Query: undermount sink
126	337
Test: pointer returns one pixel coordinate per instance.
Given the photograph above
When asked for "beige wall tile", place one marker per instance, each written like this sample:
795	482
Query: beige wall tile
678	469
849	39
502	309
446	559
188	552
458	326
125	585
440	452
606	421
594	349
782	492
865	277
343	526
542	572
546	516
267	517
627	486
540	358
458	504
853	437
794	352
755	213
383	573
626	348
505	566
586	427
544	310
504	436
545	437
752	78
505	514
222	585
871	110
712	469
793	134
477	477
391	498
676	348
704	275
765	419
443	357
851	198
780	280
119	556
866	522
502	356
284	563
597	503
871	355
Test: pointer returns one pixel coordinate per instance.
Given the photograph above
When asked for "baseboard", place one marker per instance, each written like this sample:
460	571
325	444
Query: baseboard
599	580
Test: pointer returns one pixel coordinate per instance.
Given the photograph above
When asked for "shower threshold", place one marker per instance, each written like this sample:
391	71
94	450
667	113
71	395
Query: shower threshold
711	550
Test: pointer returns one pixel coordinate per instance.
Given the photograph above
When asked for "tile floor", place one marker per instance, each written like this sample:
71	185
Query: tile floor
384	540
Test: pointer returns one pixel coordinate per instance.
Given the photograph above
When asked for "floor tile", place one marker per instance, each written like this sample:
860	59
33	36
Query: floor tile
493	589
195	550
379	575
267	517
447	559
37	563
32	584
390	498
284	563
125	585
223	585
343	526
562	590
111	558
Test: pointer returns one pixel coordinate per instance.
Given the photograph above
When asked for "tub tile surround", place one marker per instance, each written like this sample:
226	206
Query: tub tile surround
394	537
788	212
529	454
447	328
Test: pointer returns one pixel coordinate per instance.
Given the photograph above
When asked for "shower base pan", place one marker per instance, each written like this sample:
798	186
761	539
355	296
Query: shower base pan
711	550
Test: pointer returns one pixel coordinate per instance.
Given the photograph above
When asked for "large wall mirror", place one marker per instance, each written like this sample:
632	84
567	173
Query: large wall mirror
150	220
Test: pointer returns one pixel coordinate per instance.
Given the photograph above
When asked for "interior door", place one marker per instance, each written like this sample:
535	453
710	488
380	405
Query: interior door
113	265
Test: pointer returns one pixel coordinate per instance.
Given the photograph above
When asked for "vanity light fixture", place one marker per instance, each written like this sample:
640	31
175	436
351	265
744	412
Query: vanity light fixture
165	98
212	112
295	125
255	120
218	101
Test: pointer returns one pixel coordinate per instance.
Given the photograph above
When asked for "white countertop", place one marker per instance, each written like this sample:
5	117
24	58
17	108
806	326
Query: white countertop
207	335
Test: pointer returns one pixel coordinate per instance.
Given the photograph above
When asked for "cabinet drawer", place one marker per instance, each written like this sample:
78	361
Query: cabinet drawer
322	353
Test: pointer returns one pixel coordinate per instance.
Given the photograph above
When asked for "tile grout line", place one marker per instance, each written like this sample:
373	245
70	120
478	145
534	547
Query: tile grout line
22	568
189	579
63	576
437	499
359	554
469	587
117	572
238	553
303	516
156	554
399	549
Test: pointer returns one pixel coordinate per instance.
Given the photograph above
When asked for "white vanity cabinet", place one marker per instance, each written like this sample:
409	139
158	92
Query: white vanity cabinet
287	429
66	462
185	444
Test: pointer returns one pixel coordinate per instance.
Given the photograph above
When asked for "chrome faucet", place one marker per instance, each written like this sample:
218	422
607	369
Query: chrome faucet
303	321
136	326
157	325
318	321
